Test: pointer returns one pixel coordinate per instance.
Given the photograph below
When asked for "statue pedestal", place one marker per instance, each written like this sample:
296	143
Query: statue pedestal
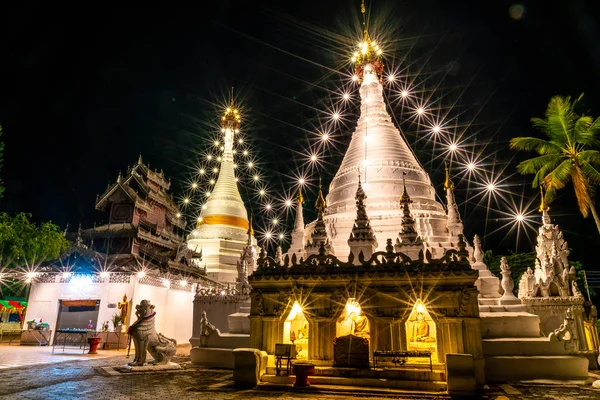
351	352
151	367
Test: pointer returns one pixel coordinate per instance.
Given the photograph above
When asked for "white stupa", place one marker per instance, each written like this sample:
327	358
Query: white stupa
223	228
378	152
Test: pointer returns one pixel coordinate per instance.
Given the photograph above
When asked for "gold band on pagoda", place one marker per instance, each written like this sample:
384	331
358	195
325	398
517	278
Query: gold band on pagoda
224	220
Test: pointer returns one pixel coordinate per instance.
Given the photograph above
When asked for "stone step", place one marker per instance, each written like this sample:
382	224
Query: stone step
425	386
509	325
539	346
522	368
406	373
493	306
493	301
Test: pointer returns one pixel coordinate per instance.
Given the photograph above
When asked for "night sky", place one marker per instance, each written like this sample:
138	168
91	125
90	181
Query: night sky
84	92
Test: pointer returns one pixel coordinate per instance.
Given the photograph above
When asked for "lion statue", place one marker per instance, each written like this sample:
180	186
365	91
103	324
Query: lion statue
145	338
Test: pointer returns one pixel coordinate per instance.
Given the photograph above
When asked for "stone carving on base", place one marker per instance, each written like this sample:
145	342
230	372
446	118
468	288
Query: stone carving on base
145	338
206	328
565	333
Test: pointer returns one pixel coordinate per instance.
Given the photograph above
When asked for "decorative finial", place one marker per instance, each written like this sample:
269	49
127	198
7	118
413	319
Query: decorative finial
119	177
360	196
448	184
405	198
320	204
543	206
231	117
140	159
368	55
250	228
300	198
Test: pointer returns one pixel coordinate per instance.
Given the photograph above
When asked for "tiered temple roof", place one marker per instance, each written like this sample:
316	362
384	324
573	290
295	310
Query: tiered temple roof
144	226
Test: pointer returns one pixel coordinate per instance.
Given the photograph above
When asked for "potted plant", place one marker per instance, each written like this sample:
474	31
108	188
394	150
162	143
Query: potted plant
44	326
116	320
31	324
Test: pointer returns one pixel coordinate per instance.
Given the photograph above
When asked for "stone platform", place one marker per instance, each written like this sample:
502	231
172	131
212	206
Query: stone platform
150	368
407	378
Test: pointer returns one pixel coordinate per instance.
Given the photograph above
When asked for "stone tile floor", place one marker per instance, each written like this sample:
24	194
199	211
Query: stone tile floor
17	356
88	379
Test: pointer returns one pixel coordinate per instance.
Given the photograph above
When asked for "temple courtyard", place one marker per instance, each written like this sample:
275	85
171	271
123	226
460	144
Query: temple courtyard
78	376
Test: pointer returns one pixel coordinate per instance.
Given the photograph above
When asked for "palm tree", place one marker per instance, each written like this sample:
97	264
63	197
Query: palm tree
569	154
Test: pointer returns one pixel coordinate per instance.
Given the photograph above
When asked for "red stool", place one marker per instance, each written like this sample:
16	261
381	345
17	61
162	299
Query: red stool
303	370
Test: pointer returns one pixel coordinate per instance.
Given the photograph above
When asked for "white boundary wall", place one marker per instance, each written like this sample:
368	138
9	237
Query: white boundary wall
174	308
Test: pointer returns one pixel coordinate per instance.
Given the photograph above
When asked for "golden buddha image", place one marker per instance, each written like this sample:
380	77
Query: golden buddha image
352	322
421	331
296	330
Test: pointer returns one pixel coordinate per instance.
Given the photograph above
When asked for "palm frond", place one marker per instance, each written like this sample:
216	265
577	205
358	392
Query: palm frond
543	171
590	137
550	195
588	157
533	165
560	176
530	143
590	174
560	120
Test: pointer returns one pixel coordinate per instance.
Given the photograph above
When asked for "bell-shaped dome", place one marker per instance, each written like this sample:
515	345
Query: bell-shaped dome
379	153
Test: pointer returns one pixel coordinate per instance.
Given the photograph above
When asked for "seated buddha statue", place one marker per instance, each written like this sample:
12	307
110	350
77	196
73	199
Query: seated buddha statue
420	329
303	332
361	326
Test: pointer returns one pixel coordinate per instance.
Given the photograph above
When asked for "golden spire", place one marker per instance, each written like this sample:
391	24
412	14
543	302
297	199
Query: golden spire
250	228
231	117
448	184
300	198
363	11
368	52
543	205
320	204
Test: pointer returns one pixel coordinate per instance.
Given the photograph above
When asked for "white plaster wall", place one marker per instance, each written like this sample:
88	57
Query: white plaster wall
174	310
179	320
44	297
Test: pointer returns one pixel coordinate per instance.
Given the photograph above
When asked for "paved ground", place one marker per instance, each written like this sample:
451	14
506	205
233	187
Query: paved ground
18	356
91	379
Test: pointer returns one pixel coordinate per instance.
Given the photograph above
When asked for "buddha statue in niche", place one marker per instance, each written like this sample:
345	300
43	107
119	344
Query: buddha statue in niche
420	329
303	331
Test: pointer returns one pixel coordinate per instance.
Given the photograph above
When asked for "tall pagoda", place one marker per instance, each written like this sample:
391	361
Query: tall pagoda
223	231
379	154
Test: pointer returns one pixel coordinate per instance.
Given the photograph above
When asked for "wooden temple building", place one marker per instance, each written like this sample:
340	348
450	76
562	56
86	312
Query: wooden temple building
140	253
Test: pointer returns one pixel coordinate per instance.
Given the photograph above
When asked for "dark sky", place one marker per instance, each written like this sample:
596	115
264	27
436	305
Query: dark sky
83	92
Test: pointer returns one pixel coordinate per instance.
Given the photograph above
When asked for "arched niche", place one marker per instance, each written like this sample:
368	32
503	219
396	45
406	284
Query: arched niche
296	329
421	332
352	321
